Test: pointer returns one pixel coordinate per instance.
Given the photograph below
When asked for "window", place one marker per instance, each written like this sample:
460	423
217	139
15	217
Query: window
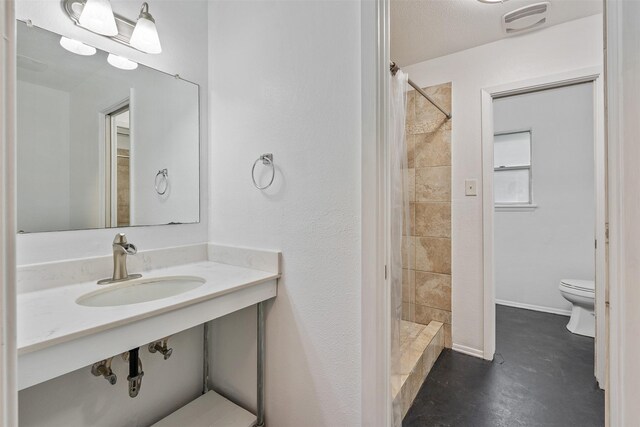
512	168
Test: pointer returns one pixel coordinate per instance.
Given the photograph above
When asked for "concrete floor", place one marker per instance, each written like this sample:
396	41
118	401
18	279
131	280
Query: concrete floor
542	375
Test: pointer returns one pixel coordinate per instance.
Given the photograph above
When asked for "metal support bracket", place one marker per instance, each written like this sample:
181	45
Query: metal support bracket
260	362
260	367
205	359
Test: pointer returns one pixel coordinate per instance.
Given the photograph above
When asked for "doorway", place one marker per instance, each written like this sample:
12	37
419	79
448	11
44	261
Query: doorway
118	167
522	238
484	70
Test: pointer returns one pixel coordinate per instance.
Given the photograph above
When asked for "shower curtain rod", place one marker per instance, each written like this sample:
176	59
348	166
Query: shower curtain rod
394	69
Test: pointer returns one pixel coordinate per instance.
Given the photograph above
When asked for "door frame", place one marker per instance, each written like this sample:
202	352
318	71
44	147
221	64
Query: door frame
375	51
8	223
109	135
585	75
376	399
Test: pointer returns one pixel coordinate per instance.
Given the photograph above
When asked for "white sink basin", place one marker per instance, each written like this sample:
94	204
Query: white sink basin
140	290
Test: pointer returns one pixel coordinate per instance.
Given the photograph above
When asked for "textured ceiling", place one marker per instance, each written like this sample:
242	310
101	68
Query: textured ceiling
426	29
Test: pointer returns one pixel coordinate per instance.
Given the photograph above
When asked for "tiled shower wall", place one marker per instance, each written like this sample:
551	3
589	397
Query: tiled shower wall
427	286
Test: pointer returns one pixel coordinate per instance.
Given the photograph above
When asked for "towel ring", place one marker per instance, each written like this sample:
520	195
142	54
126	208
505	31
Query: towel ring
267	159
164	177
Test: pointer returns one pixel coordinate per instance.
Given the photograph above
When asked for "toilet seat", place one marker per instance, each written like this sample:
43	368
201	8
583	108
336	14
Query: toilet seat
579	285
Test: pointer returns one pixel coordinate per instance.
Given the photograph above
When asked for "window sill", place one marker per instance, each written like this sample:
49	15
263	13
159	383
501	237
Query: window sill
516	208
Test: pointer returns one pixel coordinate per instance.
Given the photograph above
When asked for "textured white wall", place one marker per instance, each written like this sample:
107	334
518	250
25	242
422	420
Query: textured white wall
535	249
285	78
43	154
164	134
182	26
570	46
88	100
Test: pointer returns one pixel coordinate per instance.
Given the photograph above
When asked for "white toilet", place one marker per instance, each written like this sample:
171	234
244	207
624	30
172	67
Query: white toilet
581	294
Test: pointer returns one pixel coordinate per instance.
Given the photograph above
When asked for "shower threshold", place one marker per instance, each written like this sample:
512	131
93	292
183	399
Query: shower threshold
420	346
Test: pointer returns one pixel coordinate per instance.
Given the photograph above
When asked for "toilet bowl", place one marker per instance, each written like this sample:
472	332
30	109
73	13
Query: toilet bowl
581	295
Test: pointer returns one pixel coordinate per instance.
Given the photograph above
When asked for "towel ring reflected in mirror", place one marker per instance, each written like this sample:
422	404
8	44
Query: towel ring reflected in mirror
267	160
162	184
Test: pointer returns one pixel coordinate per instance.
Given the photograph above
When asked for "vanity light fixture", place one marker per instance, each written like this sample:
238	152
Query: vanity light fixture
97	16
77	47
145	34
121	62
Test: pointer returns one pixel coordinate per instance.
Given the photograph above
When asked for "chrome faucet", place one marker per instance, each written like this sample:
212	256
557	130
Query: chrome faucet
121	248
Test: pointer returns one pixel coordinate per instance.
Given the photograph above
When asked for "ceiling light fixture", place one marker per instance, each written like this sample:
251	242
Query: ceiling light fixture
145	34
492	1
121	62
77	47
97	16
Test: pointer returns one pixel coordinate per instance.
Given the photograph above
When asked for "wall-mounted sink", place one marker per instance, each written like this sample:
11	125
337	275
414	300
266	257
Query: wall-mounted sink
140	290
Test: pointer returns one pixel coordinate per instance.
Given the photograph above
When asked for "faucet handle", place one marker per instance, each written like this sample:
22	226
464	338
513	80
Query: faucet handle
130	248
121	240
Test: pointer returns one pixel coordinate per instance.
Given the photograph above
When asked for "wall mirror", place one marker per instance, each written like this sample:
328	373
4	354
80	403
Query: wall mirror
100	146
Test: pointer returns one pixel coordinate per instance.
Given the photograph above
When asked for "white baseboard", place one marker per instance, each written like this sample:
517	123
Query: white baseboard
534	307
468	350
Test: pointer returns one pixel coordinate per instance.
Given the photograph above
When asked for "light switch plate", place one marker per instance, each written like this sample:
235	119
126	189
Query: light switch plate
471	187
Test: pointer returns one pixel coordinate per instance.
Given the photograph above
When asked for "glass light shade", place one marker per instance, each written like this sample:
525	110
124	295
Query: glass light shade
97	16
145	36
77	47
121	62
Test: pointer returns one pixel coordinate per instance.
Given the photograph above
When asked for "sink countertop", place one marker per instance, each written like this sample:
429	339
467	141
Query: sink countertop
52	316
